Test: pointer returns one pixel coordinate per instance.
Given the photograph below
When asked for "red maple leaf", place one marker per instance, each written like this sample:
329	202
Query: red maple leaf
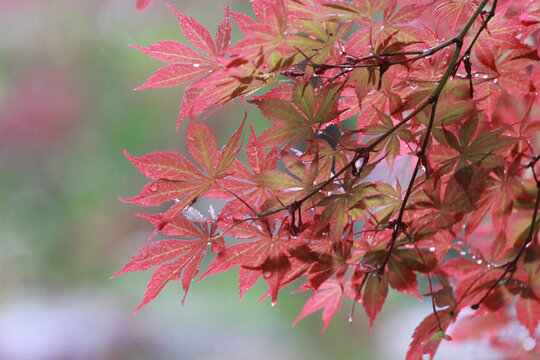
187	254
178	179
267	256
328	296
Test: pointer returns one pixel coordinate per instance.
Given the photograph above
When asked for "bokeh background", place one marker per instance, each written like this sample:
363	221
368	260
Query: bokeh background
67	110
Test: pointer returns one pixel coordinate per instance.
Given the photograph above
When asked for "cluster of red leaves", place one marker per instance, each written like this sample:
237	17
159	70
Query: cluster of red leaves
447	87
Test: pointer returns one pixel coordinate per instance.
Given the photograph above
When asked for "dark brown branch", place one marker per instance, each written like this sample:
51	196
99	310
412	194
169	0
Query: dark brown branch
399	222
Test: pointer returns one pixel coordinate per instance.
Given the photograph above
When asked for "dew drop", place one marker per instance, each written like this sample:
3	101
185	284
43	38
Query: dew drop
462	252
273	303
350	318
495	81
196	65
432	249
478	262
485	76
414	86
154	187
476	75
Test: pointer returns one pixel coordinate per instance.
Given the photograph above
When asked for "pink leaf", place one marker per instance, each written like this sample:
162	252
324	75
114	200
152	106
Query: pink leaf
223	34
155	253
175	74
202	145
172	51
328	296
528	312
196	33
165	165
374	295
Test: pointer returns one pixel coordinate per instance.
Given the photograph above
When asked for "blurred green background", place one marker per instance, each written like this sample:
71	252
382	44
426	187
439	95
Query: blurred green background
67	110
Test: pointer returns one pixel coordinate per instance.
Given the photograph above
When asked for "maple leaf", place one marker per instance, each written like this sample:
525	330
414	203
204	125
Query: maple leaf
196	33
188	254
322	259
176	178
455	12
175	52
374	295
392	145
528	311
267	255
328	296
186	64
235	78
266	36
251	193
401	277
299	120
427	336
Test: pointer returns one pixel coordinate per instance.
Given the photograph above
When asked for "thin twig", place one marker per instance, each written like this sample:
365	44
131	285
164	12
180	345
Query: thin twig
430	288
399	222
